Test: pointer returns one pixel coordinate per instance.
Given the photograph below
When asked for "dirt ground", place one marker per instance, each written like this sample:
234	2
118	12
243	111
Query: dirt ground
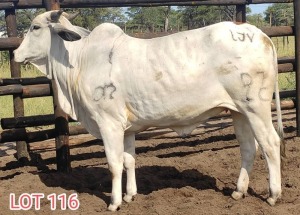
195	175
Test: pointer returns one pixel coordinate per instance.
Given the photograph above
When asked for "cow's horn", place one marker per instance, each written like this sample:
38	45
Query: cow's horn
54	16
71	16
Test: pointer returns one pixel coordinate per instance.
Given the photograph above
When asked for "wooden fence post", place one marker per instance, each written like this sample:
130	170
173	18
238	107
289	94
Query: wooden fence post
241	13
61	119
297	60
11	23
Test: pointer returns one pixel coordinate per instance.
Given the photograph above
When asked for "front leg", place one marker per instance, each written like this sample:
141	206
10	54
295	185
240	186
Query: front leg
129	164
113	134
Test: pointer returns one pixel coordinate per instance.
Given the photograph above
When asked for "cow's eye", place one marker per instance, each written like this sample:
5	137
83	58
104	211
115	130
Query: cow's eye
35	27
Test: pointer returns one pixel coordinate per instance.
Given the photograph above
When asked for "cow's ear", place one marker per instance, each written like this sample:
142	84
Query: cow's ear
65	33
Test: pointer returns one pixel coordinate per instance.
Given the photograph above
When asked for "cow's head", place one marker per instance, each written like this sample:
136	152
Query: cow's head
44	29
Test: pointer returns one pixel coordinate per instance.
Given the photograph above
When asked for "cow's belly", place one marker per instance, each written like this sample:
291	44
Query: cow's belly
182	121
182	113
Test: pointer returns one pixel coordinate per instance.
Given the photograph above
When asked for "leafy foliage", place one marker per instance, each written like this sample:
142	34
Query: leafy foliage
200	16
24	18
257	20
280	14
147	19
91	17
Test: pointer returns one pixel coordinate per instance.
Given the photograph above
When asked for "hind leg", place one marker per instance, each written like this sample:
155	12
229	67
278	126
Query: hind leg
248	148
269	142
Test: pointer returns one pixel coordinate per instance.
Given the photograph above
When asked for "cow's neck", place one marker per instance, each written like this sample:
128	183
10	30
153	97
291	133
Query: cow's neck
63	67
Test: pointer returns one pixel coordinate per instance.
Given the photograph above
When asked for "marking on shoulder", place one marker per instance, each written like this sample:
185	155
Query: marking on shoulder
102	92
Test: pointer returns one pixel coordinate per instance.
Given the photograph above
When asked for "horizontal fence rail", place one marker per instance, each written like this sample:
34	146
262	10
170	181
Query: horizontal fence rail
40	120
24	81
9	43
278	31
29	121
20	133
28	4
29	91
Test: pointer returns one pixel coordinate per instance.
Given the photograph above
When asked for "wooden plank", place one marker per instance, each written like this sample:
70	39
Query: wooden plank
241	13
286	60
51	4
286	64
20	134
11	89
287	94
28	121
28	91
7	5
279	31
297	58
38	90
11	25
9	43
286	67
61	119
25	4
269	1
24	81
23	122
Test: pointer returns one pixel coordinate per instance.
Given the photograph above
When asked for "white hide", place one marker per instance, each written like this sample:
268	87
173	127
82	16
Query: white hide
116	86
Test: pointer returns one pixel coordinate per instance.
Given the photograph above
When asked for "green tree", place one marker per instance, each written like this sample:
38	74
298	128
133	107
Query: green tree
2	22
200	16
24	18
146	18
257	19
280	14
91	17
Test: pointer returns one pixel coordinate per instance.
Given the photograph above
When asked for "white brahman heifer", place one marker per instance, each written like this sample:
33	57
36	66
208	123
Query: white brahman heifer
117	85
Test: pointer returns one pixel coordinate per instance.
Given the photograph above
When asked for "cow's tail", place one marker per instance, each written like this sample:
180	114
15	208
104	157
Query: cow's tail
279	115
279	123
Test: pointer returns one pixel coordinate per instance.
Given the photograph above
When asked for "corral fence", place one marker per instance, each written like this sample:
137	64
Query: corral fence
22	88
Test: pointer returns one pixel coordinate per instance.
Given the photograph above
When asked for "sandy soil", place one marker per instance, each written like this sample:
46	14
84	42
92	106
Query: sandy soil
195	175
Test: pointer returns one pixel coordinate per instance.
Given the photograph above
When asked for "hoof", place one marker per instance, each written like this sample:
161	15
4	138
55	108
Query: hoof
237	195
113	207
128	198
271	201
